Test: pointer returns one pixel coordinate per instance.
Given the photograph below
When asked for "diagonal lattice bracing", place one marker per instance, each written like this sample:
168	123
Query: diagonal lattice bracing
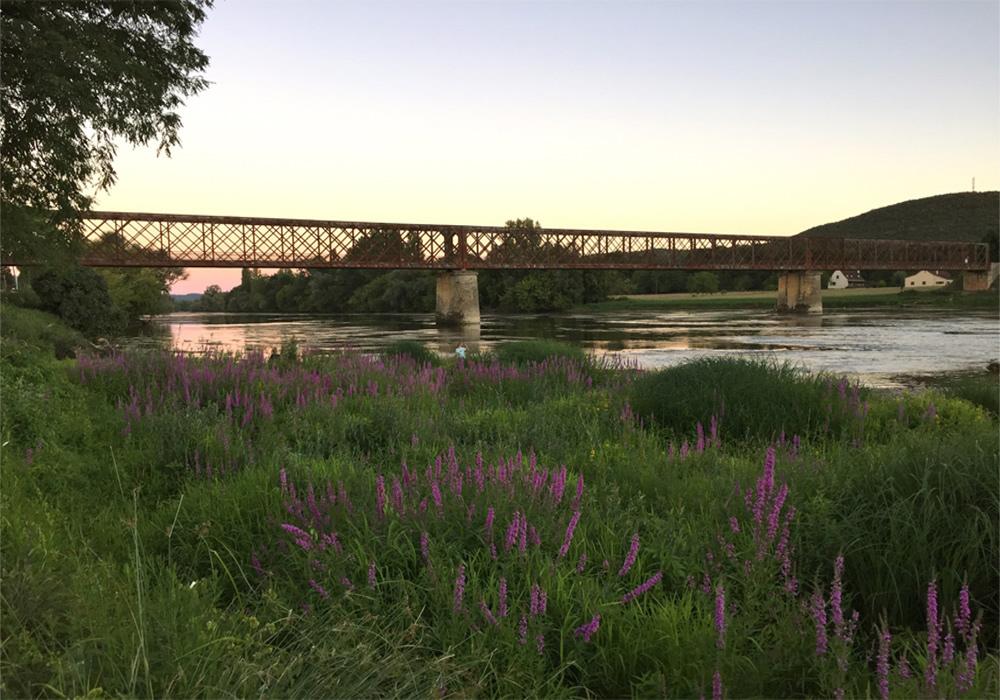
139	239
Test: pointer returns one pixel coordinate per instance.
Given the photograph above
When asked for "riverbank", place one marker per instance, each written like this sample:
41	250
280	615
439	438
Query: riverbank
535	522
832	299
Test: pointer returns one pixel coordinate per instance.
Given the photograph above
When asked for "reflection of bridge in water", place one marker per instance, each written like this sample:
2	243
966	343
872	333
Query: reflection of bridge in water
177	240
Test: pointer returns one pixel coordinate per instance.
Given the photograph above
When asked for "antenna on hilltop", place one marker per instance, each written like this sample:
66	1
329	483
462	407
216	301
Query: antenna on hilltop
973	184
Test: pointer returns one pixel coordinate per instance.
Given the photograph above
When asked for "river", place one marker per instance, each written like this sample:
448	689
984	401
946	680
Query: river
878	346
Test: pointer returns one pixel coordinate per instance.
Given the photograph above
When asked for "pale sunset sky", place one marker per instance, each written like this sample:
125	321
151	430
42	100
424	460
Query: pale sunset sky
726	117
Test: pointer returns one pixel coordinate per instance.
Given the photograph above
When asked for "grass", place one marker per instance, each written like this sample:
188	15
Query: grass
832	299
168	527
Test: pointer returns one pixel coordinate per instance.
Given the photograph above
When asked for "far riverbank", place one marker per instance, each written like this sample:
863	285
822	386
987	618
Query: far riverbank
832	299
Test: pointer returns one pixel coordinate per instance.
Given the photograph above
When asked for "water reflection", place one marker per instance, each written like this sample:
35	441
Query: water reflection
872	344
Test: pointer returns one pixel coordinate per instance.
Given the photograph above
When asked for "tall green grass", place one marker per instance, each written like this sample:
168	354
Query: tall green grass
127	573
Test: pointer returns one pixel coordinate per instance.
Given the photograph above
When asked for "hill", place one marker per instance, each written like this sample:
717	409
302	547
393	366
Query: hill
190	296
961	216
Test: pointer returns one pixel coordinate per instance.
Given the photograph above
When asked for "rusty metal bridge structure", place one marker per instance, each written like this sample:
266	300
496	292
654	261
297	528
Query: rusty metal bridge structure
124	239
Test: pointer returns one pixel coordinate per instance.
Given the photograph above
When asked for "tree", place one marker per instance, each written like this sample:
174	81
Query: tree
77	76
703	282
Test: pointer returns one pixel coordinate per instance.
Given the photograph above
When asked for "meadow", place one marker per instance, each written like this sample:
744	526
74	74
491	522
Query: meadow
536	522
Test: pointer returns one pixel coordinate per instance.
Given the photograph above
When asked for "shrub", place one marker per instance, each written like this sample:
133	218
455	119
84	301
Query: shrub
413	349
79	296
754	399
523	351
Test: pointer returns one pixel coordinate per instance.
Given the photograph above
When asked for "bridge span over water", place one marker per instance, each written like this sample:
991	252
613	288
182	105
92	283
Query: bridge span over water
122	239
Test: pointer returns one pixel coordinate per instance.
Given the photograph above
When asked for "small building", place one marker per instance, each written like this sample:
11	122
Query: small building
927	280
845	280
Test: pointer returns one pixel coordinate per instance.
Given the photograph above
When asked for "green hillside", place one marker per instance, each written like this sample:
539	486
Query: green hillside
962	216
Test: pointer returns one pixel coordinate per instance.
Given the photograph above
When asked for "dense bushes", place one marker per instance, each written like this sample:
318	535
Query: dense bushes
750	399
79	296
522	351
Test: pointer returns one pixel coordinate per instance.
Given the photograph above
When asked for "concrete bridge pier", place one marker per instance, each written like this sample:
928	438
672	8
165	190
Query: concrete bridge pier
457	298
799	292
975	280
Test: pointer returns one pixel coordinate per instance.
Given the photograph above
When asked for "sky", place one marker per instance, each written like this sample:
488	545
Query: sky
721	117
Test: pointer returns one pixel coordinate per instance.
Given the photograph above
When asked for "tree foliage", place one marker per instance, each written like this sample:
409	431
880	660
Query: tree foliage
77	79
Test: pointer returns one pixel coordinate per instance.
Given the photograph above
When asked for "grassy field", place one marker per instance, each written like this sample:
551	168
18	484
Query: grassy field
832	299
535	523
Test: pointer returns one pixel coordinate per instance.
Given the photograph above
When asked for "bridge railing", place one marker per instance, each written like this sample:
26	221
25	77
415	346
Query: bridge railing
142	239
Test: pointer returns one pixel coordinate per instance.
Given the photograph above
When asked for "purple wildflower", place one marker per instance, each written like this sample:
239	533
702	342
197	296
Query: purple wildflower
882	663
319	589
836	595
502	598
643	587
425	547
817	607
490	515
933	630
487	613
633	551
588	629
380	496
459	587
581	563
720	616
522	630
717	685
540	643
568	538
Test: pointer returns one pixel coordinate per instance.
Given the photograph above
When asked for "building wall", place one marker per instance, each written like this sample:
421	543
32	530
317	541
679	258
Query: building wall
838	280
925	280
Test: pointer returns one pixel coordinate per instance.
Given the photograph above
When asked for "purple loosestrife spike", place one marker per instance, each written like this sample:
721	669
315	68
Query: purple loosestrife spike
773	518
522	543
967	676
720	616
425	547
836	595
490	515
568	538
904	669
882	663
371	575
948	651
346	583
642	588
700	440
581	563
588	629
633	551
579	492
522	630
502	596
933	630
734	525
964	611
540	643
534	599
436	495
817	607
487	613
319	589
459	587
684	450
397	497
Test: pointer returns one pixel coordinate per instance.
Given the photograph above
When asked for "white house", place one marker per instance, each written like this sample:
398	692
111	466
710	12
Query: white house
843	280
927	280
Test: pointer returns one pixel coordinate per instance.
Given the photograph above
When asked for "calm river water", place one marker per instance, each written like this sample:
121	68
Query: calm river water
875	345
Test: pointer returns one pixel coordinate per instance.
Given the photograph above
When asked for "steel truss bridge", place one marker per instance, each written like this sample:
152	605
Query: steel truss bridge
121	239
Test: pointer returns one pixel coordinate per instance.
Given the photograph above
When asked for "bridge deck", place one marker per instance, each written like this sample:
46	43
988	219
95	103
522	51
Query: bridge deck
178	240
